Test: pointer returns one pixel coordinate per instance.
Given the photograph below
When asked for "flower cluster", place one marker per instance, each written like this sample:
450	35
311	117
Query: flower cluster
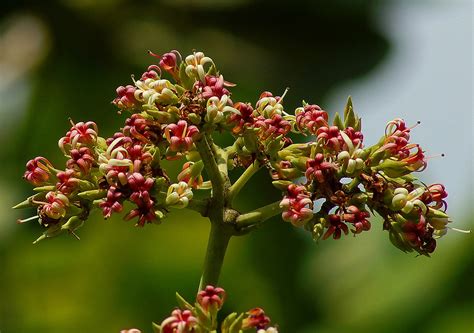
202	317
170	117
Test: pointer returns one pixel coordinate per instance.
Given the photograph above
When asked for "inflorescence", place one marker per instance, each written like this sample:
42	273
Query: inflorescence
168	117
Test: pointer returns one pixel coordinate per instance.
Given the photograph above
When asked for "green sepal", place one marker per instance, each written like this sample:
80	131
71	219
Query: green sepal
156	328
27	203
393	168
397	240
73	224
93	194
435	213
182	303
46	188
194	118
250	141
179	90
350	117
204	318
281	185
52	231
232	323
338	121
186	81
274	146
212	70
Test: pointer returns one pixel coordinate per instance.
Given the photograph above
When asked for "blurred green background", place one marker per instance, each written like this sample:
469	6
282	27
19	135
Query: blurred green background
64	58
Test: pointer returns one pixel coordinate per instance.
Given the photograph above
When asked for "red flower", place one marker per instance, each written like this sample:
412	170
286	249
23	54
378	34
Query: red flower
311	118
242	120
318	169
213	86
180	321
336	227
419	236
82	160
358	218
126	97
141	129
257	319
80	133
180	136
330	137
112	203
273	127
152	72
67	181
436	194
38	171
297	205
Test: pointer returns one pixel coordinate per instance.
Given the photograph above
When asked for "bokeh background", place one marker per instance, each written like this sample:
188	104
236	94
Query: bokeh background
409	59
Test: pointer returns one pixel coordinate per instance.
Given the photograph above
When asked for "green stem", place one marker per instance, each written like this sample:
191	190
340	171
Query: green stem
243	179
218	240
259	215
212	169
200	206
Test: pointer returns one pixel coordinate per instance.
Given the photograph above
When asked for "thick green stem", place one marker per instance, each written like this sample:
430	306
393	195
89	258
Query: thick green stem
216	247
259	215
243	179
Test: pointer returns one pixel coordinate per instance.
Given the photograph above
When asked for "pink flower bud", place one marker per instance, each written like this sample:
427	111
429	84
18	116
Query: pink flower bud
211	298
126	97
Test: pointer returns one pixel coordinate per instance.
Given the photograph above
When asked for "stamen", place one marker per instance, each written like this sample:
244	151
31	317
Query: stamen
19	221
284	94
435	156
416	124
460	230
154	54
